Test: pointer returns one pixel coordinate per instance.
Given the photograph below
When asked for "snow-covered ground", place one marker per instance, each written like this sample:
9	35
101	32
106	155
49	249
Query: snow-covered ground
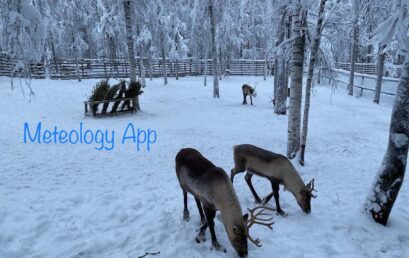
63	200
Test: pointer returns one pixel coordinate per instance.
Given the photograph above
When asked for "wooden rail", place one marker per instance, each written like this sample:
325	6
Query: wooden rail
371	69
88	107
366	82
119	68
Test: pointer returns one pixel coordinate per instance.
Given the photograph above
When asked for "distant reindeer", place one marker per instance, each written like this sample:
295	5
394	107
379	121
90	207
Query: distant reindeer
248	91
275	167
213	191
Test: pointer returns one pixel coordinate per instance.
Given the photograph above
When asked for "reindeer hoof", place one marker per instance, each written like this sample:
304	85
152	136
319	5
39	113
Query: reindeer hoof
218	247
282	213
258	201
200	238
186	215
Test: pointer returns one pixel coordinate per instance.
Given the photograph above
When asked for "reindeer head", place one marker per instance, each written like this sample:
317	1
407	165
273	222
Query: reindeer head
238	236
253	90
306	194
240	232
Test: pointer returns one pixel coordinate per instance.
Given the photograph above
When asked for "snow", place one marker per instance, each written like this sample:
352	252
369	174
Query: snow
66	200
400	139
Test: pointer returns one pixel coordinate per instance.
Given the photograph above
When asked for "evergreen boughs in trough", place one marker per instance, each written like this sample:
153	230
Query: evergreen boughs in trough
114	94
98	93
134	89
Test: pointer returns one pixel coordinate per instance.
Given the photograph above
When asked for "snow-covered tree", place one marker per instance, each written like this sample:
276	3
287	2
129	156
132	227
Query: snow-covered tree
23	36
313	57
391	173
297	64
213	28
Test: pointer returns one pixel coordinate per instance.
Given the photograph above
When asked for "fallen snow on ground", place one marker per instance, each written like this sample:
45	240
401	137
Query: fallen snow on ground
61	200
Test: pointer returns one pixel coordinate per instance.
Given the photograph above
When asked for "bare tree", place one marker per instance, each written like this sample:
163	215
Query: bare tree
294	116
214	50
313	57
130	44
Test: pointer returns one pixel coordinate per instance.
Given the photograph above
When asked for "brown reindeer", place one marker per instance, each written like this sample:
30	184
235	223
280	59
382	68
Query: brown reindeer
248	91
213	190
275	167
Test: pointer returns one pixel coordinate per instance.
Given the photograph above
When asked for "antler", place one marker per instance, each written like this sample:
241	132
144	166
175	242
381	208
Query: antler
255	218
255	85
310	188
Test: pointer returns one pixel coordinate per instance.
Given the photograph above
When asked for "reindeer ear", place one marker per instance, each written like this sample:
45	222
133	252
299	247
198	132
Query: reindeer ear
245	217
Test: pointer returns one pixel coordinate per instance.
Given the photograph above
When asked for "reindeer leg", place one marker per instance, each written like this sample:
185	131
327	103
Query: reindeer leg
233	172
199	207
276	187
248	180
244	99
267	198
210	214
201	236
185	210
251	100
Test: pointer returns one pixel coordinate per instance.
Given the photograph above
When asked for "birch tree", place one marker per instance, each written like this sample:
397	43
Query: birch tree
391	173
294	116
280	85
214	49
313	57
130	44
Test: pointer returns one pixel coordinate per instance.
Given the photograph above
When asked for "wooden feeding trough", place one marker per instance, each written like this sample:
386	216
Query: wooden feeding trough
110	107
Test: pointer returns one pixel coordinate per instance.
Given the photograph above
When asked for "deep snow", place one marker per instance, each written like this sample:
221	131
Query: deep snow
74	201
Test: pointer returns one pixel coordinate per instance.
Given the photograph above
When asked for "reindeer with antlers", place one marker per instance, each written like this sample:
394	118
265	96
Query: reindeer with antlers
248	91
213	190
275	167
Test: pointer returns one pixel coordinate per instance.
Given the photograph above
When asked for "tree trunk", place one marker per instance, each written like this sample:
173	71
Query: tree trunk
112	52
354	49
294	116
380	67
275	80
392	171
214	51
280	107
205	72
313	57
280	85
165	67
77	67
150	68
142	68
177	69
220	65
265	69
129	42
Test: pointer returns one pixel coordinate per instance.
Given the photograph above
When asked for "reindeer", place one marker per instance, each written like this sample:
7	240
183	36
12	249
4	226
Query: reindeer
248	91
213	190
275	167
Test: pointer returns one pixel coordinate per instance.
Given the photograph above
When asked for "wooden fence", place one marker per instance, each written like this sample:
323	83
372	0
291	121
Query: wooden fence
119	68
13	68
369	68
